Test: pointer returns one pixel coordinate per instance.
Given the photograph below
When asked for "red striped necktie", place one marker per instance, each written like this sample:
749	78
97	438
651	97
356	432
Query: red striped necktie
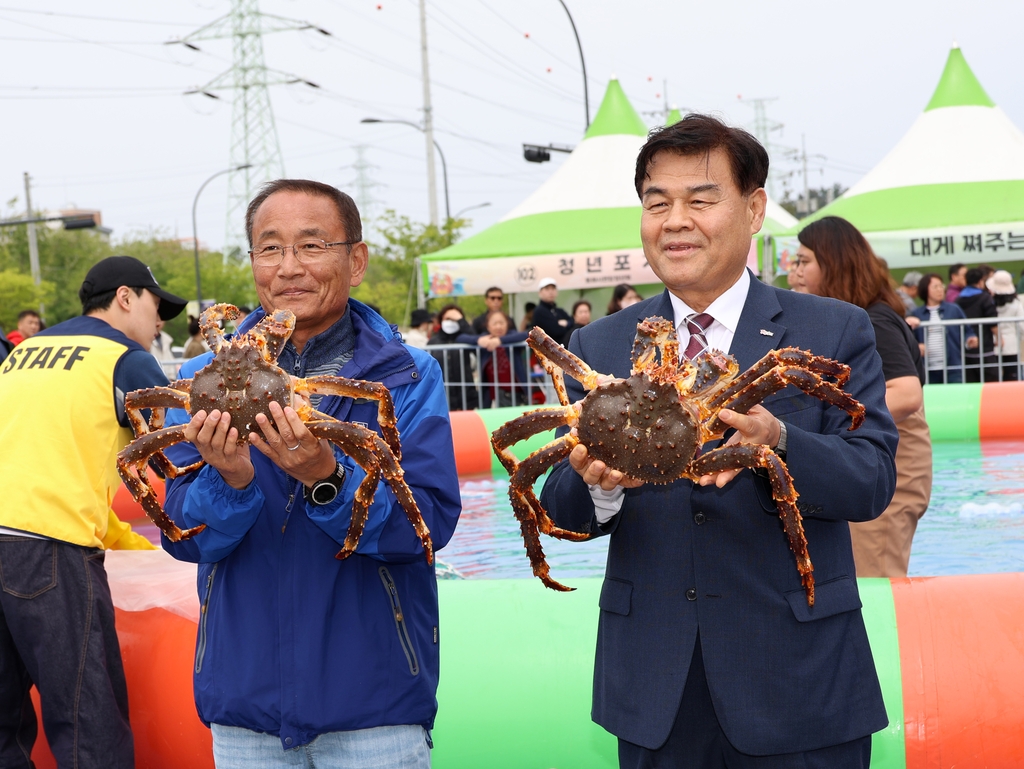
697	324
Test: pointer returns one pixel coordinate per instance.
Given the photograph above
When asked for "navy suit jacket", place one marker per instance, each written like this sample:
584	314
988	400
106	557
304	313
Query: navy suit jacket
783	677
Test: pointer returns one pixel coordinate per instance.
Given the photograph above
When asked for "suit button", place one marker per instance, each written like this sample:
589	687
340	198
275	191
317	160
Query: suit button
691	594
699	518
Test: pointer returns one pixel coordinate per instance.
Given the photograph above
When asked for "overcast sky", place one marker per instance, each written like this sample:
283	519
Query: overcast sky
94	108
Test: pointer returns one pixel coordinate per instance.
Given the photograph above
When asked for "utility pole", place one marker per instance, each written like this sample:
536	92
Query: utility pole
33	244
428	118
807	189
255	148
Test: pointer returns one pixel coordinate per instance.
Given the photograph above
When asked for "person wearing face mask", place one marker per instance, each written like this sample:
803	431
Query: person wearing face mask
457	364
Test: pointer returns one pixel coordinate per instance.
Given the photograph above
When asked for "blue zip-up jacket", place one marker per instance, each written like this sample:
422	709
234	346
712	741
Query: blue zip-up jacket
292	641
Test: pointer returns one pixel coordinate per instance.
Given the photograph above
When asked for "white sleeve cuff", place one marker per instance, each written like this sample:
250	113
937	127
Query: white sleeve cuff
607	504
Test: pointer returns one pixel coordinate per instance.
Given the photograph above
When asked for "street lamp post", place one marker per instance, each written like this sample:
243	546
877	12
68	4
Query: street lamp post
444	165
470	208
583	64
195	237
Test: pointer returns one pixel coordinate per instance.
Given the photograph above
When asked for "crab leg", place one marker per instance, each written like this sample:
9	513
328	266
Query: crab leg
131	466
557	359
789	357
208	324
357	388
376	458
533	518
526	475
272	333
530	513
525	425
749	455
156	398
808	381
655	338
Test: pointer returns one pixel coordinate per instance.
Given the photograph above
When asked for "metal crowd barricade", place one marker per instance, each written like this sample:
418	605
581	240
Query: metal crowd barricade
479	391
171	367
1001	363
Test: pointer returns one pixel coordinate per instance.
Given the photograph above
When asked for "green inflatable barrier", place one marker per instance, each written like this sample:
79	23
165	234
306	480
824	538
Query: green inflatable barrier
517	666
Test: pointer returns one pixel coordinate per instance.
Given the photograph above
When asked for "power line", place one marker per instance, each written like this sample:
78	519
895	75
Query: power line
255	147
83	40
490	53
59	14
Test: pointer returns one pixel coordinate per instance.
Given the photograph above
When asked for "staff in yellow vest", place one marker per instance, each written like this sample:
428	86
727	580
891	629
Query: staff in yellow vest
62	400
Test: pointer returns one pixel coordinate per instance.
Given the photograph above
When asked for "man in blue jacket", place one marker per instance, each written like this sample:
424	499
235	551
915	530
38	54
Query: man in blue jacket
708	655
300	657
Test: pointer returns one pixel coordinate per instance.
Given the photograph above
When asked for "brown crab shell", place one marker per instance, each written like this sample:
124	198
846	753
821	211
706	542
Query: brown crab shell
640	428
238	380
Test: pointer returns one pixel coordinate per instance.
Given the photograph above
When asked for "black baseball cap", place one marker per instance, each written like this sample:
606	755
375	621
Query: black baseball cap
115	271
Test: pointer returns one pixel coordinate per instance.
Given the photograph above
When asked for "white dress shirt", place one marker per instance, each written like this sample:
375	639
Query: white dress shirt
726	311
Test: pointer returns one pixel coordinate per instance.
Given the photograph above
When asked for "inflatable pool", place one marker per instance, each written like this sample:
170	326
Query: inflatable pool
517	659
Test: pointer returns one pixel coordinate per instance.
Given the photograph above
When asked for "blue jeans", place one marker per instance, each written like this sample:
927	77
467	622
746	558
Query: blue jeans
383	747
57	632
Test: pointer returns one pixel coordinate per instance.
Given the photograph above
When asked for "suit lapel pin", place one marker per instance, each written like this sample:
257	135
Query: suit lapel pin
766	332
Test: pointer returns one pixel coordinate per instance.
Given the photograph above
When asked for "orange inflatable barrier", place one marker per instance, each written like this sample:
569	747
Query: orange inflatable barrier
125	506
949	652
962	658
158	649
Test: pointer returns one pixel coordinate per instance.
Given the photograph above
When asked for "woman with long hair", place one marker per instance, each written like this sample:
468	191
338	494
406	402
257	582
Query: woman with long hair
836	260
624	295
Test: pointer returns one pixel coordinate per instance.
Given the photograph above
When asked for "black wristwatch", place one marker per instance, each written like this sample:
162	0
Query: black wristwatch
323	492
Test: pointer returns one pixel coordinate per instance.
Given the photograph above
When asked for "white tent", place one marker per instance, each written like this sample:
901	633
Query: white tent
951	191
582	226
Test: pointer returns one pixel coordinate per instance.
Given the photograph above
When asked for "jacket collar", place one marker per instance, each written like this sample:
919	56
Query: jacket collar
378	354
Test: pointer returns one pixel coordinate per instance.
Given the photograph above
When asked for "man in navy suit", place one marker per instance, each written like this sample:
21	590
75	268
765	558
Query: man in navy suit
708	654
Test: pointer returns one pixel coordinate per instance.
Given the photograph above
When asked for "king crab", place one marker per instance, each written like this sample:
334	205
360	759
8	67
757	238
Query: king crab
242	380
651	426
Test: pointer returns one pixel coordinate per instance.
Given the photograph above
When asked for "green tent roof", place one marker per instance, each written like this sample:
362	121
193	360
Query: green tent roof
674	116
958	86
616	115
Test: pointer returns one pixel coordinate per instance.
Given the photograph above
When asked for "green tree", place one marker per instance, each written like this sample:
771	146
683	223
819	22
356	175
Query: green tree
18	292
389	280
66	256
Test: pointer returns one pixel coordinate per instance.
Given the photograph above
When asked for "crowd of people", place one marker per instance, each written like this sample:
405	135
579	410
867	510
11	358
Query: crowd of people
486	362
305	659
961	351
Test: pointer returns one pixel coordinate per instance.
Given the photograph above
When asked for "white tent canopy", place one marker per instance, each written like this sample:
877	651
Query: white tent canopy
581	227
952	189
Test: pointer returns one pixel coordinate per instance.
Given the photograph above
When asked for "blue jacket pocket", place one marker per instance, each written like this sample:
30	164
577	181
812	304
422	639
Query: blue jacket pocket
830	598
616	596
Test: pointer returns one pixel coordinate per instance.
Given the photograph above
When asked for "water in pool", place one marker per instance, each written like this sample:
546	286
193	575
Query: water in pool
974	525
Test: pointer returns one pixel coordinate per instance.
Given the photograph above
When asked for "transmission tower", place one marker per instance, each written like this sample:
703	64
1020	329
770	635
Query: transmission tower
364	185
763	128
255	149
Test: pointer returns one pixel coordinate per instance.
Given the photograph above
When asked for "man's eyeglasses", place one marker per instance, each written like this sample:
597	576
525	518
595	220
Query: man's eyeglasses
306	251
498	297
